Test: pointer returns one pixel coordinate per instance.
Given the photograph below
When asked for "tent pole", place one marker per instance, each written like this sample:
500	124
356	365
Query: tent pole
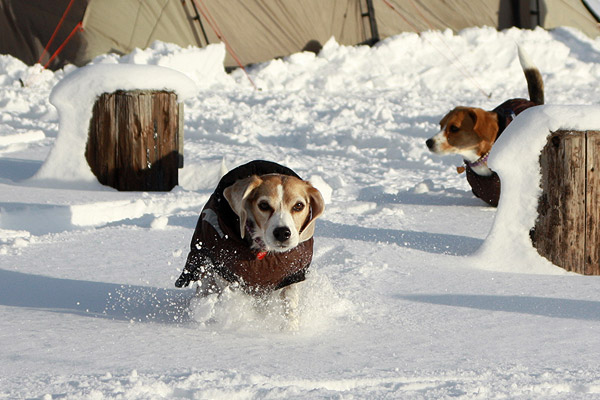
537	13
372	22
197	18
516	10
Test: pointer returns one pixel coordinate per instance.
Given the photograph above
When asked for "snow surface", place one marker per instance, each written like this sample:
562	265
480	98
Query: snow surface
406	297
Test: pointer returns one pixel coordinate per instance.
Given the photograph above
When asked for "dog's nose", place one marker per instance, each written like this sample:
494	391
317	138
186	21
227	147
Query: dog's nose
429	143
282	233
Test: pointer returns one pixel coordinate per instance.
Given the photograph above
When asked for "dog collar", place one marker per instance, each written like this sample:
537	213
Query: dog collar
477	163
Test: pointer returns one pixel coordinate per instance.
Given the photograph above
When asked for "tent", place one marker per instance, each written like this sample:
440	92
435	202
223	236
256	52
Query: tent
56	32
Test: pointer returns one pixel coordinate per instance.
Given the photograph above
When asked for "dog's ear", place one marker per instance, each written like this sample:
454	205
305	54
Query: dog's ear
317	206
445	118
485	124
237	196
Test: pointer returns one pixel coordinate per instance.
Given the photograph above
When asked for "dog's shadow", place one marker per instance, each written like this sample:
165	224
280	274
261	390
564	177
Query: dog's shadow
94	299
436	243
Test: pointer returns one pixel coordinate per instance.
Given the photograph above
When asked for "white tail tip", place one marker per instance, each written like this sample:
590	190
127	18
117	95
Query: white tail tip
524	59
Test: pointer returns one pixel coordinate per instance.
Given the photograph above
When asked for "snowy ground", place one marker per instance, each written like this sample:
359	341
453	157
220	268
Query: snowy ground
399	303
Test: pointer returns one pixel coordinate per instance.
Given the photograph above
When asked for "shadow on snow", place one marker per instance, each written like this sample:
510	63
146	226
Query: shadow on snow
97	299
15	169
587	310
435	197
436	243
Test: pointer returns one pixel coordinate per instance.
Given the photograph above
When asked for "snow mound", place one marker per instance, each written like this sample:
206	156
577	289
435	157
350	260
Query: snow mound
203	65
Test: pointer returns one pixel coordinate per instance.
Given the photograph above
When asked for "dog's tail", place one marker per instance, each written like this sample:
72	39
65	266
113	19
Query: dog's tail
535	83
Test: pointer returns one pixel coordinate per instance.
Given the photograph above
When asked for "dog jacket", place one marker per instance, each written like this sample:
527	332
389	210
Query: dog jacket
487	188
217	246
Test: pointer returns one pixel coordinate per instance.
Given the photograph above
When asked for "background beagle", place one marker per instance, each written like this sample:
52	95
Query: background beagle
471	132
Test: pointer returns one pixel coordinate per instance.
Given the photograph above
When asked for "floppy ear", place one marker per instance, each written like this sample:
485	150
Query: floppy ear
317	206
485	124
237	195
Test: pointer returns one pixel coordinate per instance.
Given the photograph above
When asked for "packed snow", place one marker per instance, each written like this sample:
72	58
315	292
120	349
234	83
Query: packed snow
417	289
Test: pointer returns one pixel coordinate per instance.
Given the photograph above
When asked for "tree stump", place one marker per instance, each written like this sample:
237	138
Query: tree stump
135	140
567	230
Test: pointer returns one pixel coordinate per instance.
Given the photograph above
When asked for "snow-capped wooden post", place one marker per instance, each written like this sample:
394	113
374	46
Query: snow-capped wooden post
567	230
135	140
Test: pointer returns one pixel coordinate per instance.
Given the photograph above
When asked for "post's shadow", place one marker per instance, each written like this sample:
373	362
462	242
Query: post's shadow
436	243
587	310
94	299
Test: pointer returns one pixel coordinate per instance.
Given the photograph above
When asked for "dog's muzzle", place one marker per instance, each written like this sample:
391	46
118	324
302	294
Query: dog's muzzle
282	234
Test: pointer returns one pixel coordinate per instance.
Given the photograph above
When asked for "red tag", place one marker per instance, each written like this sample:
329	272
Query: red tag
261	254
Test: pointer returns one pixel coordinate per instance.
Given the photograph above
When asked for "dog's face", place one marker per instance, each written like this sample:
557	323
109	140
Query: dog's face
467	131
280	209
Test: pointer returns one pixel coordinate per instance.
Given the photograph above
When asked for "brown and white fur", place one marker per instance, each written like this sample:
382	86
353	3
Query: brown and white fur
278	212
471	132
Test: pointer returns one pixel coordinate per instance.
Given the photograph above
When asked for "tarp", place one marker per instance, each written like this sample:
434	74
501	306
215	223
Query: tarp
555	13
257	30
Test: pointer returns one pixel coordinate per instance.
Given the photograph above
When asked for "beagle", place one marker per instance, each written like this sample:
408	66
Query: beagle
278	212
471	133
255	233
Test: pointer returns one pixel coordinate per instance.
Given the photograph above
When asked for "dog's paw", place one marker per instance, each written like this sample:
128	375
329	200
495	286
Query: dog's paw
291	299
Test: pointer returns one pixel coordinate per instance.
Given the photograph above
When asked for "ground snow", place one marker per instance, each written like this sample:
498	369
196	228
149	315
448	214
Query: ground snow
406	297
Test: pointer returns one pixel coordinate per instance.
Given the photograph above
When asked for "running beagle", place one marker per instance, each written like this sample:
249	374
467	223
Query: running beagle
256	233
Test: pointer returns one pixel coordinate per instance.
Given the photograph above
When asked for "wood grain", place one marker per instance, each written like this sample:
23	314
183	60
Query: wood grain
592	256
560	227
133	141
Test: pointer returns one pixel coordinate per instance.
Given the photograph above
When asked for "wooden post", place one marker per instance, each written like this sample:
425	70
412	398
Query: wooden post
133	141
566	231
593	204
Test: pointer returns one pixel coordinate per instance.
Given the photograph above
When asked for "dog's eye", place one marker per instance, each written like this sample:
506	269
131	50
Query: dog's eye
264	206
453	128
298	207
